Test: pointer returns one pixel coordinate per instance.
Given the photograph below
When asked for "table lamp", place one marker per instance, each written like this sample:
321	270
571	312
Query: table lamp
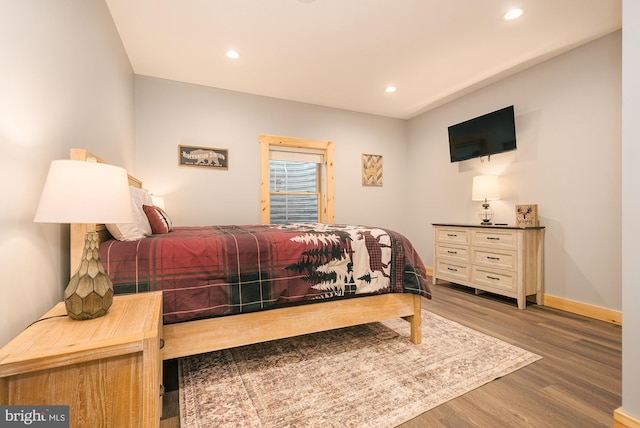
86	192
485	188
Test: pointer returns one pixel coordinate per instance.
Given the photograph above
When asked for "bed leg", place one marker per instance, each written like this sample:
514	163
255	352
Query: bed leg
416	320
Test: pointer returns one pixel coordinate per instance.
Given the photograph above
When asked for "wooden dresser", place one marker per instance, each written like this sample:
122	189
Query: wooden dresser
504	260
108	370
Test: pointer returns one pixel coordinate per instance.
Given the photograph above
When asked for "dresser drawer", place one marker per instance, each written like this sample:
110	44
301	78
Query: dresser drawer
453	252
494	280
495	238
452	271
494	259
453	236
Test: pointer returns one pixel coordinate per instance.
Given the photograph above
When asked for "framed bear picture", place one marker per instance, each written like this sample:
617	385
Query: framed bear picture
207	157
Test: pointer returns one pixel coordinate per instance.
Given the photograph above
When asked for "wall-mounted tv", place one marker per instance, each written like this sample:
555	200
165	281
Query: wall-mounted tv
485	135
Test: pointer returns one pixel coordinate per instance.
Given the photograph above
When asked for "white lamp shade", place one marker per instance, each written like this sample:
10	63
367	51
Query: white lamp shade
485	187
84	192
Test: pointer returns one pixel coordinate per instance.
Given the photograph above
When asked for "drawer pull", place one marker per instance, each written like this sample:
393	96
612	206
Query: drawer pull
452	269
493	258
161	343
493	277
453	235
161	391
493	238
452	252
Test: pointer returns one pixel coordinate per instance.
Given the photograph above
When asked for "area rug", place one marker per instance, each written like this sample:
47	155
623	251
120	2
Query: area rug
364	376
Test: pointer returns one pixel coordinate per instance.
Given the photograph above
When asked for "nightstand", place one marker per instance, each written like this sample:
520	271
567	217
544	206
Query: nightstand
108	370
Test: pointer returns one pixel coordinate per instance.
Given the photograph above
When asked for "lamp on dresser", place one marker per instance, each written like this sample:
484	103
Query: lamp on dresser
104	198
485	188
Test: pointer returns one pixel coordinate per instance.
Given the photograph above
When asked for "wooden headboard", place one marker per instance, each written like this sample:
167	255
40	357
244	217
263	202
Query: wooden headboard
78	231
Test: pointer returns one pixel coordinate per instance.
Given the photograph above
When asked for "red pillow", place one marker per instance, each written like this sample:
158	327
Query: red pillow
158	219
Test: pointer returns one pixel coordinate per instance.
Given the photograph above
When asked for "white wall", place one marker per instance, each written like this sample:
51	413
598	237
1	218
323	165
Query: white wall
631	208
568	162
65	82
170	113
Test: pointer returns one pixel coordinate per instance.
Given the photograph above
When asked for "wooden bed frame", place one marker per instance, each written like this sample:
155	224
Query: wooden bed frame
194	337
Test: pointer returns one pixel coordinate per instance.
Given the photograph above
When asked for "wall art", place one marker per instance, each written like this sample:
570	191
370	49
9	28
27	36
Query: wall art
371	170
207	157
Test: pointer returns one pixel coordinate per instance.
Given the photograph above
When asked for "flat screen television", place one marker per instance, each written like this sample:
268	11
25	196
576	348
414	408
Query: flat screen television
485	135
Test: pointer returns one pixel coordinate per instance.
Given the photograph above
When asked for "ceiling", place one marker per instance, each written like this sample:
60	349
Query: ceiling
344	53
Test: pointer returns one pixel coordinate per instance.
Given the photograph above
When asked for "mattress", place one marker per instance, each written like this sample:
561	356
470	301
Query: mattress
210	271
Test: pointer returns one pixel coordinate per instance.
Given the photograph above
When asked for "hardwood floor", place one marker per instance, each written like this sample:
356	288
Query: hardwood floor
577	383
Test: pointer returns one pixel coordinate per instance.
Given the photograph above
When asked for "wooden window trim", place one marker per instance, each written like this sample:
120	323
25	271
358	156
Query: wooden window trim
326	200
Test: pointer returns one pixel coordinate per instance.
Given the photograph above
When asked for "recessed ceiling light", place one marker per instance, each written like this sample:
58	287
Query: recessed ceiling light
233	54
390	89
513	14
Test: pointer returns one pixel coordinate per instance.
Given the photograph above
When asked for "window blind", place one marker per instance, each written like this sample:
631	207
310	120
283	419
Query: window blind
294	154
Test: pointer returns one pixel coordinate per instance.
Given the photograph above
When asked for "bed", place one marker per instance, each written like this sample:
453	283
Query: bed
284	286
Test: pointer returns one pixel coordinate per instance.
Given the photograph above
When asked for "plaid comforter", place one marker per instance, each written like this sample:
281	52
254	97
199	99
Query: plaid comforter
221	270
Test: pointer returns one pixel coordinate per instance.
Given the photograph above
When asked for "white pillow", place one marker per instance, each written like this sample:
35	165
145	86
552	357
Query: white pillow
140	197
140	227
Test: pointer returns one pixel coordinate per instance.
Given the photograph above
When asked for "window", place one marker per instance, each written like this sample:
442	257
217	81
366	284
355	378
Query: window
294	191
296	180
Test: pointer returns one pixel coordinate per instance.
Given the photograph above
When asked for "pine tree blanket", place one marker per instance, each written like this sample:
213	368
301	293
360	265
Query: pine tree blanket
221	270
